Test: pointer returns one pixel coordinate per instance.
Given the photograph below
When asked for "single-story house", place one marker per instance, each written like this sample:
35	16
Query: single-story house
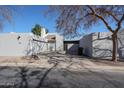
99	44
23	44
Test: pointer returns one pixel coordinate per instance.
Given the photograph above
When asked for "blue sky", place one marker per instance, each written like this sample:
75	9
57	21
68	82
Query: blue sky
27	16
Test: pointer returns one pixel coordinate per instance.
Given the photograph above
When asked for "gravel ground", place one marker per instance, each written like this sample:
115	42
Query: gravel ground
60	71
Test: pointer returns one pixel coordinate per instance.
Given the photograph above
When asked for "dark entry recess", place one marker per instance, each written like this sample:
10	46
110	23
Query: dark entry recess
80	51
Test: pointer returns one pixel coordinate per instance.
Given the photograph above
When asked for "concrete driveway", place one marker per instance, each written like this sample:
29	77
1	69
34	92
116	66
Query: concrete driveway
58	71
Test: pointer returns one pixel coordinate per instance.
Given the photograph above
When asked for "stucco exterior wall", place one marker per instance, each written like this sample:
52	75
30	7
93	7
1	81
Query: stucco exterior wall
86	44
10	45
59	43
99	44
121	44
71	48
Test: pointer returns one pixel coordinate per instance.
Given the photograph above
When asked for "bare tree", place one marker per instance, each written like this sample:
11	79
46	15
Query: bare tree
5	15
72	18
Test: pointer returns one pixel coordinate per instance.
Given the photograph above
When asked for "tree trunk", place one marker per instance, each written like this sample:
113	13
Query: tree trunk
114	51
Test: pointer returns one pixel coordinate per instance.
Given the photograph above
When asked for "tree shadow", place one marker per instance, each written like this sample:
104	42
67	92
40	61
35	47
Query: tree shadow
104	77
99	45
33	48
41	77
42	80
23	75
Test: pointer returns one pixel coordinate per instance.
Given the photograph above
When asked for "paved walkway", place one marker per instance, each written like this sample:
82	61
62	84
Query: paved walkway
57	70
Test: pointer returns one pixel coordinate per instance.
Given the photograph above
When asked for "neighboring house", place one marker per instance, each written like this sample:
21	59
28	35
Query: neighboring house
23	44
99	45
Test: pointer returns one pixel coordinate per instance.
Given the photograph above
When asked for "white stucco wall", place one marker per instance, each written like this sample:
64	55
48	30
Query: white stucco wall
86	43
11	46
102	44
121	44
99	44
72	49
59	43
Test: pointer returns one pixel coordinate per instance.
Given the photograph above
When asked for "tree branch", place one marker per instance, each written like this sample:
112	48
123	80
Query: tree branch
119	24
100	17
104	21
116	19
